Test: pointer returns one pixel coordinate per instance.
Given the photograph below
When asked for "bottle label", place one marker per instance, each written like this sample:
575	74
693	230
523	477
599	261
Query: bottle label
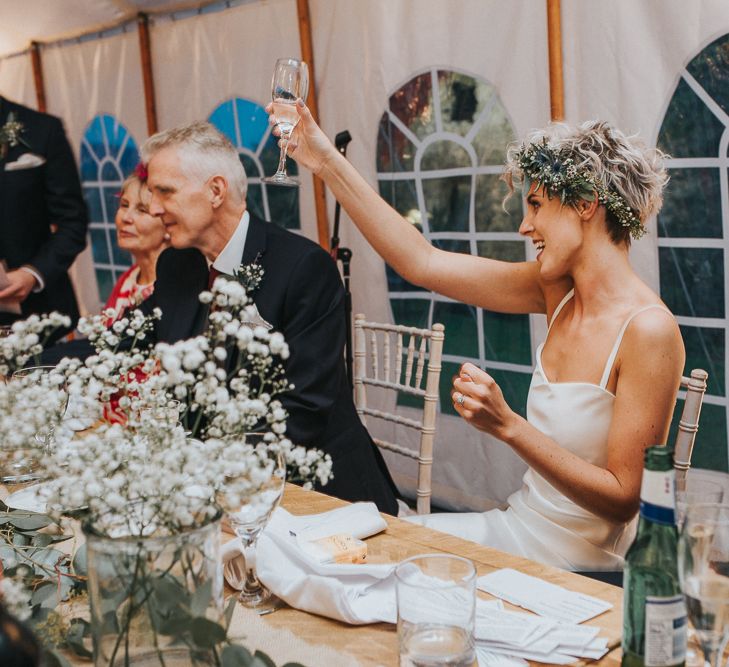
665	631
657	496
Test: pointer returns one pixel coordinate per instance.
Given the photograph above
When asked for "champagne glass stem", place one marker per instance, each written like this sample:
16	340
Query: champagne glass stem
282	156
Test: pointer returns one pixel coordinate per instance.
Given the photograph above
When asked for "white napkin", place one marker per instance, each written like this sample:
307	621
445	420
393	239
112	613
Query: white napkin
355	594
25	161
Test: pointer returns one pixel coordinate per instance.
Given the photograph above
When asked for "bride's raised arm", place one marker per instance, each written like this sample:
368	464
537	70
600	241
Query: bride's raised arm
495	285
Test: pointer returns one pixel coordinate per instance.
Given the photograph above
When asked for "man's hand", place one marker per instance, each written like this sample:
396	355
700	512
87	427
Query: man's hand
21	284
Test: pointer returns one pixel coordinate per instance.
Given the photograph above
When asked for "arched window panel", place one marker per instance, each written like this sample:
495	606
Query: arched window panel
693	234
440	151
108	154
245	123
711	70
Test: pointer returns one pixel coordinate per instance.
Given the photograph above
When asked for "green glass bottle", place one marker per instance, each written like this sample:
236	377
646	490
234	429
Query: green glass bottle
654	611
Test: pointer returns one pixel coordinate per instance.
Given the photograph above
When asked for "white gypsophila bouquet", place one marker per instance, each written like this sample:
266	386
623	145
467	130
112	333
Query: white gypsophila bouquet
31	407
26	340
219	386
151	479
16	597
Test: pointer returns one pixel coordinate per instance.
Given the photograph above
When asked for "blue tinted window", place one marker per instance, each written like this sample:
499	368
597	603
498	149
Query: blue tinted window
108	154
245	123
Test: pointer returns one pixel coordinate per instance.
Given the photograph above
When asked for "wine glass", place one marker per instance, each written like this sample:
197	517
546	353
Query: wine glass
290	82
22	465
703	568
248	517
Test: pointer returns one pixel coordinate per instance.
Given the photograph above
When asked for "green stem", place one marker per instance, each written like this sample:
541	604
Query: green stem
125	631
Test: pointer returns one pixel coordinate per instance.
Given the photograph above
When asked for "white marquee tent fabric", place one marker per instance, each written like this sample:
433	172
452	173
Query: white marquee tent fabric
622	62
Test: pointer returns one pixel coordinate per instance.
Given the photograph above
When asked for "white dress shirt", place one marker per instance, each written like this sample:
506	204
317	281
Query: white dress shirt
230	256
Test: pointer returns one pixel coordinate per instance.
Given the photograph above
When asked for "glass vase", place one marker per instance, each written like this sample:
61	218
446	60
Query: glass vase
156	600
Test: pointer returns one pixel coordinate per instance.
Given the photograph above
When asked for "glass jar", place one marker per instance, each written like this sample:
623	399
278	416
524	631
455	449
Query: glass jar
155	600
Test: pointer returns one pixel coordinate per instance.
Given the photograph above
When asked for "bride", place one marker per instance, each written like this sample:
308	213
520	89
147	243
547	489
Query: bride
606	376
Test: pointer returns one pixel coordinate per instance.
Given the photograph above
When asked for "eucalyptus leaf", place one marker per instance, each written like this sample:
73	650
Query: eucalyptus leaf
293	664
45	561
201	598
29	520
206	633
41	540
45	595
229	611
175	624
260	659
80	562
20	540
235	656
110	622
170	593
75	637
9	556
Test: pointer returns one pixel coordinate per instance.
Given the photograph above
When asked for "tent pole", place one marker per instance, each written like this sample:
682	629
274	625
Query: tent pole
40	88
554	39
145	52
307	54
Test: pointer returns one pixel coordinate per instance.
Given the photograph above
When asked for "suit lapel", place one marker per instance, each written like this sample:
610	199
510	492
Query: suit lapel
184	315
255	240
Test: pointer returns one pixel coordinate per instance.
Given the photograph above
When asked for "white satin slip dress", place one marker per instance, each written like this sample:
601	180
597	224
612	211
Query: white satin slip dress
539	522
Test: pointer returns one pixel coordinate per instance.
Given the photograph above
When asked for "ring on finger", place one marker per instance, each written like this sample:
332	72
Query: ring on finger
461	398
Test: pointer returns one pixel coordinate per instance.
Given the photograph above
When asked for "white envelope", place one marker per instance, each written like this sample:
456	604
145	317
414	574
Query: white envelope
25	161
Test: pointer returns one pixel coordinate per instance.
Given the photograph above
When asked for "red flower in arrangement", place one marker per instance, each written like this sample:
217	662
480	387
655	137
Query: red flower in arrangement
140	171
113	413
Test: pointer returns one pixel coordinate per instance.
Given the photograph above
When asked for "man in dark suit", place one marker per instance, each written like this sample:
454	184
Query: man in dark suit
198	189
42	213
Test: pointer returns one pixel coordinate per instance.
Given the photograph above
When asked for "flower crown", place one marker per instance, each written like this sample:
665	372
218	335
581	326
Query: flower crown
556	171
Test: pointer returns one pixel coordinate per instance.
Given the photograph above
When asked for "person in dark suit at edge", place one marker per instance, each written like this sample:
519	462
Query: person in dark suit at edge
43	218
198	188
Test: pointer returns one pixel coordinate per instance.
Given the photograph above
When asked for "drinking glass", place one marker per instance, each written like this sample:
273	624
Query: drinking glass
698	490
248	517
290	82
436	610
703	568
22	465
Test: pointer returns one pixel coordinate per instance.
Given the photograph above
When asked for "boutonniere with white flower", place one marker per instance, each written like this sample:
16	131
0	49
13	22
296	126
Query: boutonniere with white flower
10	134
250	275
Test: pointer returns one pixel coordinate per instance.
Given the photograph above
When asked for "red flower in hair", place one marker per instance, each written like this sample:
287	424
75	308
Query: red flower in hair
140	171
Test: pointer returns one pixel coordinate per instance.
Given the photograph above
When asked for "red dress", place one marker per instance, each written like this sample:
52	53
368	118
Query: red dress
127	292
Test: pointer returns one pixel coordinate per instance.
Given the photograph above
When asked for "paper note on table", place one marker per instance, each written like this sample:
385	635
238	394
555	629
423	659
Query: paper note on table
541	597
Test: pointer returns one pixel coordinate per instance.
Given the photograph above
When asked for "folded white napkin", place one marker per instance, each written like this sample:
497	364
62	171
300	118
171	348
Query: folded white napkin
355	594
25	161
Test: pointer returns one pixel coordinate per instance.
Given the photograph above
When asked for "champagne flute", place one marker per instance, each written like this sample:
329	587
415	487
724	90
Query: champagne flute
290	81
248	517
703	567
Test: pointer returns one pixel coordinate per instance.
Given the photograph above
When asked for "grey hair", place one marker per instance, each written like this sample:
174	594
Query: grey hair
204	152
623	164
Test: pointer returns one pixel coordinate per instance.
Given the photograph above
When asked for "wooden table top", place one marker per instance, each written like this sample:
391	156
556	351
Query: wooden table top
376	644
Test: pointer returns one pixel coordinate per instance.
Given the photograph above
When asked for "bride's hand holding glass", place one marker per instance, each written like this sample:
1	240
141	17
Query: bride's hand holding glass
308	144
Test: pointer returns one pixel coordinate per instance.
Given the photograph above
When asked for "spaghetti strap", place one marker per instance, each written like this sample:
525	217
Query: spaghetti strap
614	352
557	310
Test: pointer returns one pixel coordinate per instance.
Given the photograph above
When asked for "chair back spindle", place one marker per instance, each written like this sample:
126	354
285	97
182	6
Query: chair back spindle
688	425
423	352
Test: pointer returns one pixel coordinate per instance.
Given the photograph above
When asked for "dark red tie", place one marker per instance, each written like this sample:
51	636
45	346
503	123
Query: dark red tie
214	273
